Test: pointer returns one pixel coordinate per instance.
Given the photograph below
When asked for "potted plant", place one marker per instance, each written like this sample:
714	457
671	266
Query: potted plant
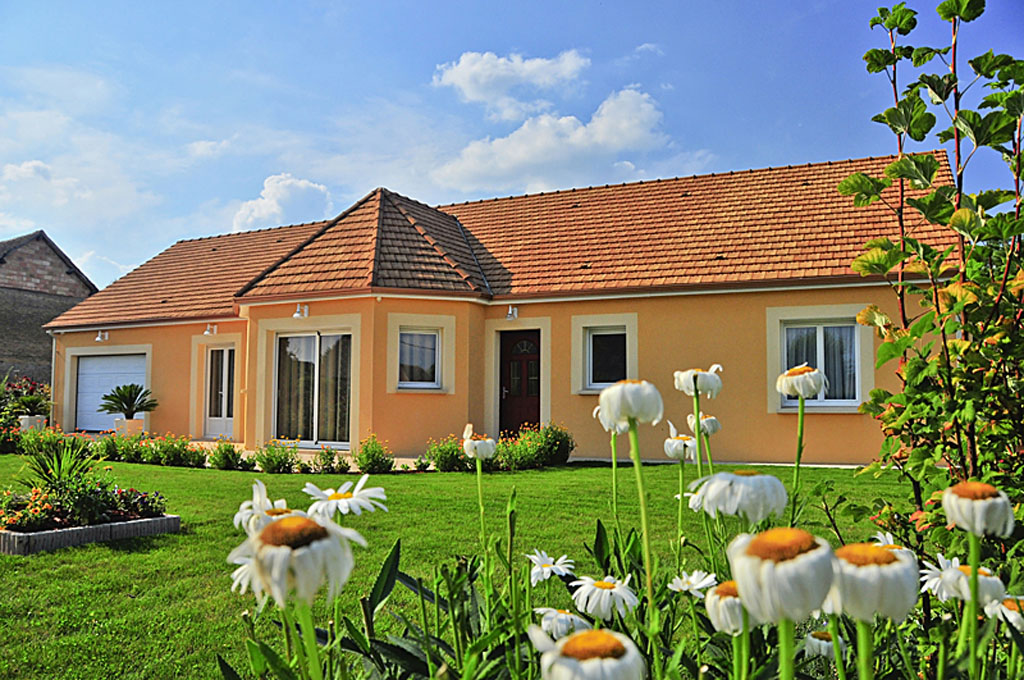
31	410
128	400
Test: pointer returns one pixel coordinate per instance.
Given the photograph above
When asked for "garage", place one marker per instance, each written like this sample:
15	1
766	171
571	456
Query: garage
97	376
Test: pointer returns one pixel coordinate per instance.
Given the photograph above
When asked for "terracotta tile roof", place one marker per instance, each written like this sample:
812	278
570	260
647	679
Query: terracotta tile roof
755	227
191	279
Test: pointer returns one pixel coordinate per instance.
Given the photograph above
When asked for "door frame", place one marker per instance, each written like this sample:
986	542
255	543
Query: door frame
492	366
230	424
197	382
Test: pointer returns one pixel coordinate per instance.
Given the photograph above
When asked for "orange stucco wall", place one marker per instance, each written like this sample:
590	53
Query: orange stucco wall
672	333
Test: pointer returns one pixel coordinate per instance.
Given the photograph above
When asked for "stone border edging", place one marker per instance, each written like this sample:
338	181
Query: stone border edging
16	543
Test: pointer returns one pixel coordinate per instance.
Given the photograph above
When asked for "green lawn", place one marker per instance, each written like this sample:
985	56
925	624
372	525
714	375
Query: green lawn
161	607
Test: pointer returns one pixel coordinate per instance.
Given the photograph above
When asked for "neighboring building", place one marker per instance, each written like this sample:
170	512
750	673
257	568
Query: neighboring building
408	321
37	283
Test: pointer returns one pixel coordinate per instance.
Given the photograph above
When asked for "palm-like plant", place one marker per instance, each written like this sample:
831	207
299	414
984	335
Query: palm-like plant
31	405
128	400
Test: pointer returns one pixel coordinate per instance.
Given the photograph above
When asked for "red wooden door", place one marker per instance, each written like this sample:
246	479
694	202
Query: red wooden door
520	380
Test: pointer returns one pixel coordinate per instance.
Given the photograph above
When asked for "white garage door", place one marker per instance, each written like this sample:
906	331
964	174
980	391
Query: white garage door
97	376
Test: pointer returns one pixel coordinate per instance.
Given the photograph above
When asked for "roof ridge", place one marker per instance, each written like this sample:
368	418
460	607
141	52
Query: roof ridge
442	206
434	243
371	277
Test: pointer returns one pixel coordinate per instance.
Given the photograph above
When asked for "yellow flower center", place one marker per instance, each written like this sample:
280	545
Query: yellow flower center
683	438
277	512
781	544
630	382
604	585
593	644
746	473
1011	605
892	546
822	635
727	589
975	491
295	532
800	370
982	571
563	611
864	554
544	566
338	496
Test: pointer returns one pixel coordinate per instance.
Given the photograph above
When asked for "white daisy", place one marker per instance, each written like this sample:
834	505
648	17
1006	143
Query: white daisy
801	381
345	500
588	655
781	573
942	580
478	446
724	608
636	399
609	425
744	493
260	511
694	583
819	643
978	508
544	566
679	447
293	556
601	598
708	382
244	577
1008	610
870	579
709	425
990	587
560	622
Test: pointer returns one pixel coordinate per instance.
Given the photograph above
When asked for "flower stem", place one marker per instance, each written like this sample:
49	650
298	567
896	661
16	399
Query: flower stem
615	486
737	657
974	554
480	502
865	651
696	630
902	646
707	449
787	649
833	630
745	645
696	417
652	607
679	518
304	614
799	456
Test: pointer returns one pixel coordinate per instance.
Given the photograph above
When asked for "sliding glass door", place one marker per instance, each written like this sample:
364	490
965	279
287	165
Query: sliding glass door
313	375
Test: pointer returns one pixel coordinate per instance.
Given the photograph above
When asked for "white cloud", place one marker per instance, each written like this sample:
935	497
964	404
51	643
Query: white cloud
65	88
13	225
284	200
207	148
652	48
484	77
549	151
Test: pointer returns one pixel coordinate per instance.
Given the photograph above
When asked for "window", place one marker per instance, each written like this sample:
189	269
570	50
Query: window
419	359
831	347
313	387
605	356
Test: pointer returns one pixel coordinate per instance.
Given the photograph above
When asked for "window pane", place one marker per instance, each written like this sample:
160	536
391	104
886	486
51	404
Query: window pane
229	412
840	362
417	358
801	348
532	378
296	357
515	378
607	357
214	400
332	423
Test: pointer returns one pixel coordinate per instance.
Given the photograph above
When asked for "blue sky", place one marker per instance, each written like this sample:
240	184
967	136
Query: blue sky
127	126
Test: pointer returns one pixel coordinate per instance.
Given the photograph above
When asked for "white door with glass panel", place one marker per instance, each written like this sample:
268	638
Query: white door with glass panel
220	391
312	378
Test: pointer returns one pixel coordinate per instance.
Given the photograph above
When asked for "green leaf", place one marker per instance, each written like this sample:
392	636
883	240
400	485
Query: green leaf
965	10
877	261
277	664
890	350
966	222
925	324
257	661
919	169
901	19
996	127
865	190
873	316
226	671
910	116
877	60
936	207
428	595
385	582
922	55
940	88
988	64
357	636
602	547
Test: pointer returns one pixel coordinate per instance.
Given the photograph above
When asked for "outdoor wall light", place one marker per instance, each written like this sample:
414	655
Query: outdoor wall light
211	329
301	311
513	313
102	336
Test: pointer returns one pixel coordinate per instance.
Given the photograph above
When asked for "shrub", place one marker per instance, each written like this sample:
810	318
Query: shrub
139	503
85	498
558	444
278	458
422	463
26	512
129	449
329	462
54	458
174	451
524	452
226	457
106	448
10	439
374	457
128	400
447	455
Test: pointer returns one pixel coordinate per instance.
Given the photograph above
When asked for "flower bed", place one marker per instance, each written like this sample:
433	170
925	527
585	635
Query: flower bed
27	543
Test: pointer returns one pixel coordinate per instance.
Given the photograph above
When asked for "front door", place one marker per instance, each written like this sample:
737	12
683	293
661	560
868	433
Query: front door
520	380
220	392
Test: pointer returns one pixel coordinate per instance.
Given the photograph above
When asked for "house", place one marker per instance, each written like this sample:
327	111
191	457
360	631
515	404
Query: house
38	281
408	321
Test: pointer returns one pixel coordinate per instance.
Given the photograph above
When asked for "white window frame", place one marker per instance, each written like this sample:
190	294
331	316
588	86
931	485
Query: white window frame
309	443
583	327
438	368
778	319
819	337
590	332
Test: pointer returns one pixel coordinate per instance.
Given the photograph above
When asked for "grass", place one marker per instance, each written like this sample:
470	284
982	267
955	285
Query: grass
161	607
